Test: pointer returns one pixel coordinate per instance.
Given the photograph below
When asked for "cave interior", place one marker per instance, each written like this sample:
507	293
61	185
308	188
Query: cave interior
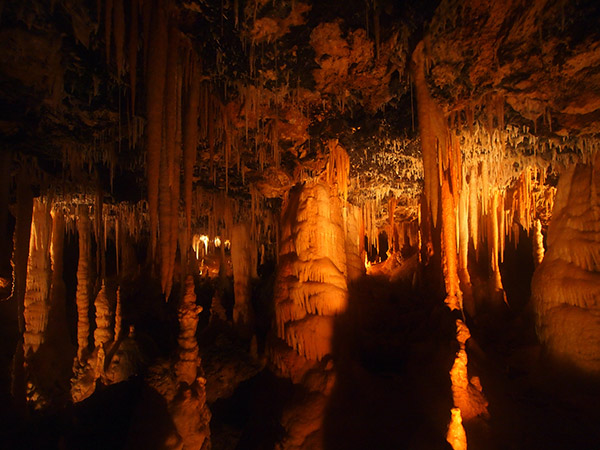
300	224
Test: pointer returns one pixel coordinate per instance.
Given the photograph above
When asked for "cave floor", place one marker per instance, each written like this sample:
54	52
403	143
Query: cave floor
392	351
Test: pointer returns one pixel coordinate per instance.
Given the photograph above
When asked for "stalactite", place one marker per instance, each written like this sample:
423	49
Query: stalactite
82	295
155	89
390	231
117	245
119	31
445	173
99	229
538	243
132	52
338	168
36	301
449	250
164	222
494	239
463	227
57	290
169	166
190	140
432	128
118	316
176	171
5	184
108	12
21	242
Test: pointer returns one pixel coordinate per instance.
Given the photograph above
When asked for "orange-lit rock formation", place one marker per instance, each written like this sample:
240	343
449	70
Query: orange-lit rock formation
310	288
181	383
83	281
38	277
566	285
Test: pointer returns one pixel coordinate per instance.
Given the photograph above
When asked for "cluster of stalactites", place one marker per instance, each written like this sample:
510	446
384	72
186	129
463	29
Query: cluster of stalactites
172	76
220	213
480	180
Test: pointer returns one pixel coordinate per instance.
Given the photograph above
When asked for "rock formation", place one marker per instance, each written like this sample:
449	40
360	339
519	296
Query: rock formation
38	277
566	285
83	281
181	382
310	288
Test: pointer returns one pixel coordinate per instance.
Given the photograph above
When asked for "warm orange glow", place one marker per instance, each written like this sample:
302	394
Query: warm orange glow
456	435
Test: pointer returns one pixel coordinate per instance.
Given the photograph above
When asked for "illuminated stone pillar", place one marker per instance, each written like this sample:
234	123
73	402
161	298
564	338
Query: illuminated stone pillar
36	303
566	285
311	287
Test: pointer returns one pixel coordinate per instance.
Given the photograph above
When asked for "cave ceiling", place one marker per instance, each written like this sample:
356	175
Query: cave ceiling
284	79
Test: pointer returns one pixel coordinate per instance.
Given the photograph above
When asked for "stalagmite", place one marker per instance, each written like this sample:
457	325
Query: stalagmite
155	89
187	366
181	383
36	302
103	334
57	289
82	295
456	436
310	288
132	52
449	248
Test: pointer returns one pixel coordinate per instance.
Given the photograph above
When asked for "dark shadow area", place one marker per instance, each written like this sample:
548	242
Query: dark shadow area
393	349
250	418
534	402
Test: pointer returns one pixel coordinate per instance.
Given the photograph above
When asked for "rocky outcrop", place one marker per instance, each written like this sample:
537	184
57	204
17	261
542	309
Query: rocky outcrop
566	285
